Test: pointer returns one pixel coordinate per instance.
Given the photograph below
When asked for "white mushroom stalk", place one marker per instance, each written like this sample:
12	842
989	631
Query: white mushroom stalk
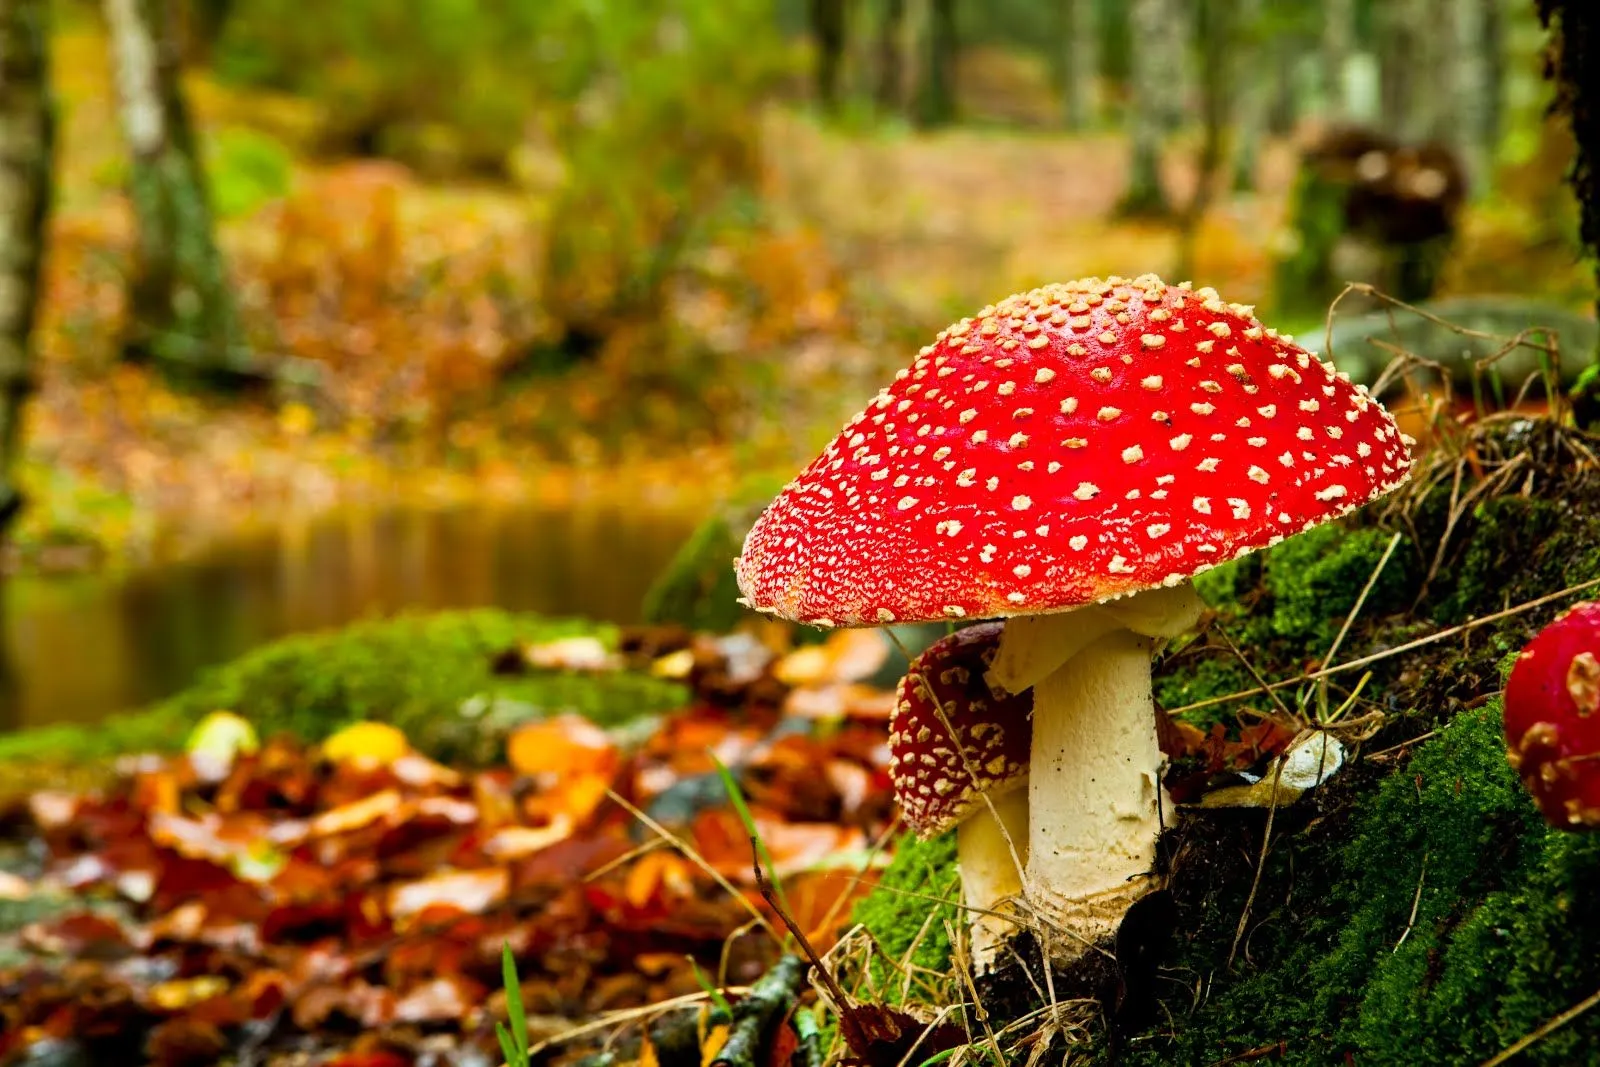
958	757
1094	789
991	861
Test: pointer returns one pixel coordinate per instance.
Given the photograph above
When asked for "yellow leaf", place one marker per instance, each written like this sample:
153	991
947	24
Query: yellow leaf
366	743
713	1044
186	992
296	420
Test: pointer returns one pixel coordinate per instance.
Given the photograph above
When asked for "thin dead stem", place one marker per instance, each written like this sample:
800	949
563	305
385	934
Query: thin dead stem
691	854
1361	600
1416	904
1543	1031
1261	862
1377	657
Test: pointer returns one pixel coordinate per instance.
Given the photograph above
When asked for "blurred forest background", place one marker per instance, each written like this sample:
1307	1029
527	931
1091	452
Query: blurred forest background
267	272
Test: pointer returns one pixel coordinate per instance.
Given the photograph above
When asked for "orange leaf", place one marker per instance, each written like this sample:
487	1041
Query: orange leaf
565	744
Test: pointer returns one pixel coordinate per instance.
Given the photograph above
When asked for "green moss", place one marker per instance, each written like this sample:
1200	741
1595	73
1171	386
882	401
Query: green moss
1283	607
697	588
1517	548
1301	590
1336	961
905	910
430	675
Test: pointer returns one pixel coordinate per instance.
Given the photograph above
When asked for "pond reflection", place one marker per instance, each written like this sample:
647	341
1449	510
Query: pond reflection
80	647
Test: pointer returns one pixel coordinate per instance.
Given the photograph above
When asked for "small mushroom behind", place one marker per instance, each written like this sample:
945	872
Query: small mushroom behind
945	689
1552	726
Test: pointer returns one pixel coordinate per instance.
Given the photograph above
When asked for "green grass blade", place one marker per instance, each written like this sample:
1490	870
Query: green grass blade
717	999
736	798
514	1010
508	1047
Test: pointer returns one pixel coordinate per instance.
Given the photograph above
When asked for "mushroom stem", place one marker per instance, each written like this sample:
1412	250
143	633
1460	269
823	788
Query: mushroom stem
1094	780
991	877
1095	772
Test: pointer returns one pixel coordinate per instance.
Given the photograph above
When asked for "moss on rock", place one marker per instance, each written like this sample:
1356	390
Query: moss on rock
430	675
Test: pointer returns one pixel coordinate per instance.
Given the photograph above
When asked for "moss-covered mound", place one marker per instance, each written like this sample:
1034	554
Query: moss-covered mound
1414	909
431	675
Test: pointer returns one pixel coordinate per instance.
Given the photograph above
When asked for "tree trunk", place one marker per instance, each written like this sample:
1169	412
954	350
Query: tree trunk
1574	66
1419	43
827	27
181	311
27	136
1078	68
1472	115
1246	89
936	103
1218	34
1155	94
27	140
891	70
1338	32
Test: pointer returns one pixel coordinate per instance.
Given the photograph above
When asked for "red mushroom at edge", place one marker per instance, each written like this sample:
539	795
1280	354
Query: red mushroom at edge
1068	459
1552	726
939	785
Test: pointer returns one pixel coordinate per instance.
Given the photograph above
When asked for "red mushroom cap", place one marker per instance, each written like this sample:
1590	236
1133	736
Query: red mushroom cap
1067	445
1552	729
930	778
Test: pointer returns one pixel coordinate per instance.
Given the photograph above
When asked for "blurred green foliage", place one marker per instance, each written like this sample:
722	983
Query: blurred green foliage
380	67
652	109
244	170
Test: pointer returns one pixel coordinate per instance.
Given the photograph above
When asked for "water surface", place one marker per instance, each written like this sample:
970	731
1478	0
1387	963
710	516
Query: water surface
80	647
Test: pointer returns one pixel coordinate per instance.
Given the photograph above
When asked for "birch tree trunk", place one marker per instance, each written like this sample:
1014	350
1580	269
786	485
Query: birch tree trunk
1472	128
1338	37
27	136
1077	55
1159	32
181	311
1417	52
1249	92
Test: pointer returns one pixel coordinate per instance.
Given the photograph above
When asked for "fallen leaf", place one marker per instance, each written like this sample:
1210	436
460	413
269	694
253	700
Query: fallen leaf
442	999
176	995
848	655
562	744
217	741
356	814
572	654
366	744
513	842
468	891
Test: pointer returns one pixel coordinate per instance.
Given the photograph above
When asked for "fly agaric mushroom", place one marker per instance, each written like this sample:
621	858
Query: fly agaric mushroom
1552	729
941	781
1068	459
